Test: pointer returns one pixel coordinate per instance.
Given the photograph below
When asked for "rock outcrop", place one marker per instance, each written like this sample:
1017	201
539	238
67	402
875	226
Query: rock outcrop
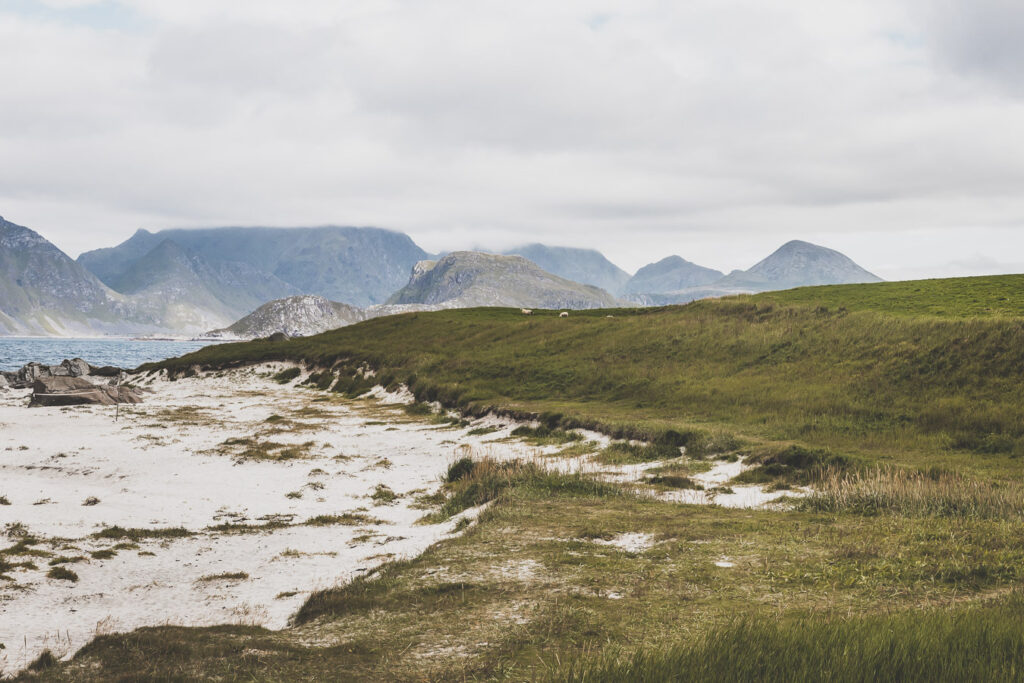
75	367
69	391
295	316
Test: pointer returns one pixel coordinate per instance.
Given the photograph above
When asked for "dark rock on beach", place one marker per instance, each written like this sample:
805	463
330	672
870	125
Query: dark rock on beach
69	391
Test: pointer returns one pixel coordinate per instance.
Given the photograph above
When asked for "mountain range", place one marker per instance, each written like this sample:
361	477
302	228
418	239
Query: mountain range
247	281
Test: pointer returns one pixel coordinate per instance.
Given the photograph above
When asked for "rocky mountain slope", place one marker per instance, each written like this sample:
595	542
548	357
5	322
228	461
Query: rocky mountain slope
296	316
471	278
183	290
670	274
587	266
42	291
360	266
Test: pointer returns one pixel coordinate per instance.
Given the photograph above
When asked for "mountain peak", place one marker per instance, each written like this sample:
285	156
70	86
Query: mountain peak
800	264
473	278
670	274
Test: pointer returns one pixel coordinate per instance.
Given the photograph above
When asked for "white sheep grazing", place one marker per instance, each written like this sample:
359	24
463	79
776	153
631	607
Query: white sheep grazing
526	311
563	314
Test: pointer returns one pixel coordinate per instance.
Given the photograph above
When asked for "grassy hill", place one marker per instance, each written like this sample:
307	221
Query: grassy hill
830	367
910	572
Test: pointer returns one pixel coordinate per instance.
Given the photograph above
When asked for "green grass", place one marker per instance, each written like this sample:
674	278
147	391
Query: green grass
287	375
979	643
470	483
932	381
900	402
999	296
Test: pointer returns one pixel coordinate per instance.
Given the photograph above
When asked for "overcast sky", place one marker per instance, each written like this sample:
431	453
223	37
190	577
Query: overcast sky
892	130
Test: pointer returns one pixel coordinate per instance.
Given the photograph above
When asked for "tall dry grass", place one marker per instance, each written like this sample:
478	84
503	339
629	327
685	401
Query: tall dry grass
975	643
935	493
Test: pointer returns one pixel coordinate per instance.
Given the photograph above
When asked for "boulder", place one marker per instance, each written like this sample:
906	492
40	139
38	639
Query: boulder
70	391
278	337
104	371
3	381
77	367
23	378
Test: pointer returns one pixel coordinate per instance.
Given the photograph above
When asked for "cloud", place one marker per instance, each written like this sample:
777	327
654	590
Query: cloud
979	38
716	130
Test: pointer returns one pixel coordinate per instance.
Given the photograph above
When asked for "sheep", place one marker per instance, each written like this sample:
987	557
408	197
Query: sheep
563	314
526	311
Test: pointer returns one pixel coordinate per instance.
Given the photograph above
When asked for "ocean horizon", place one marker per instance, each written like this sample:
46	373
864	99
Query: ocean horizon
128	353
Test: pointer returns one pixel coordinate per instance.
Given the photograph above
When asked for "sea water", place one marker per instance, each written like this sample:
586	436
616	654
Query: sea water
123	353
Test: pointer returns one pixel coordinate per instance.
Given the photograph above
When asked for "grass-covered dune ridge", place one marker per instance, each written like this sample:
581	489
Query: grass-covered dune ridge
830	367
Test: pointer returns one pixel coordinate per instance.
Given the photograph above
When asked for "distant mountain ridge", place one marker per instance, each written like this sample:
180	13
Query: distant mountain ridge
795	264
360	266
190	281
586	266
472	278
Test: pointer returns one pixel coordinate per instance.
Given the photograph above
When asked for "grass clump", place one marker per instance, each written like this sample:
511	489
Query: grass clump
932	493
544	435
103	554
674	481
470	483
223	576
353	387
459	469
44	661
286	375
62	574
979	643
794	465
250	448
345	519
627	453
383	495
321	380
117	532
4	500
